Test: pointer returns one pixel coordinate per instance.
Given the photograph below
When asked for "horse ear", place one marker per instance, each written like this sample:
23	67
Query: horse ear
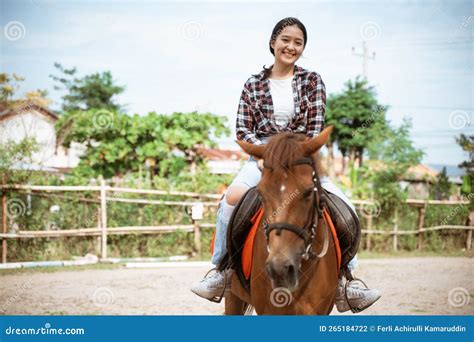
311	146
252	149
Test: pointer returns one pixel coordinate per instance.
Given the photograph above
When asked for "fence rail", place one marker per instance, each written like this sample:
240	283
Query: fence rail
102	230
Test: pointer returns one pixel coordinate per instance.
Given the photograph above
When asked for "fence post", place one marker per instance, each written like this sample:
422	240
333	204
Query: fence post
4	226
197	236
196	215
469	240
395	231
99	226
103	215
369	227
421	223
470	223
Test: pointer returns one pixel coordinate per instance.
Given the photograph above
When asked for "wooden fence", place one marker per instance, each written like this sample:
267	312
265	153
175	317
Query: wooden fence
102	230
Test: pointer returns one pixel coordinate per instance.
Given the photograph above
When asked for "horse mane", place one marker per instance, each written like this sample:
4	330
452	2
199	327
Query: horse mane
283	149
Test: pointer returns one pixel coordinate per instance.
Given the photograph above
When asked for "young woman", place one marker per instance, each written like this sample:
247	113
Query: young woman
282	98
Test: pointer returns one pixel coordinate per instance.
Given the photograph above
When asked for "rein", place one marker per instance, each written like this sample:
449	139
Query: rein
308	231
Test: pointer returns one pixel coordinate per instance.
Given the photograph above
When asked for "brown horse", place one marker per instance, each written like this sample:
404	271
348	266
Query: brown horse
294	263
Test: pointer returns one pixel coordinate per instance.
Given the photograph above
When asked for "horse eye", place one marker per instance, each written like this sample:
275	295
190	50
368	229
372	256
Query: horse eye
307	193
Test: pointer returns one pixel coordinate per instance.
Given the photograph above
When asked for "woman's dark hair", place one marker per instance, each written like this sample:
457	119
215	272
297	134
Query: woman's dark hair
289	21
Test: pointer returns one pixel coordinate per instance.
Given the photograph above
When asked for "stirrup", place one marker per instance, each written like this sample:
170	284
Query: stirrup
353	309
218	299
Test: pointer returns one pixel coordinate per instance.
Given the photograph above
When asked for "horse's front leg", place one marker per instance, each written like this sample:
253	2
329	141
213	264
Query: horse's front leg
234	305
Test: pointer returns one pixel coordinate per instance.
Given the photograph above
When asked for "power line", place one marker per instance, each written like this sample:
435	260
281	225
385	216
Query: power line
432	107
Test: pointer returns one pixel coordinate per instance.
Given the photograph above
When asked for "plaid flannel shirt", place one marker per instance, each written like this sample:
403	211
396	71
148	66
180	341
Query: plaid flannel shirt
255	119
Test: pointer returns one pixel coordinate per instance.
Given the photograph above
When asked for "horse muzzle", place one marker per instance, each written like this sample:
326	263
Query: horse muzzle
283	272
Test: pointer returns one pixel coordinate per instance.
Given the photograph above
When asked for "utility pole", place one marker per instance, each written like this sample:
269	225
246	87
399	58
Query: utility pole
365	58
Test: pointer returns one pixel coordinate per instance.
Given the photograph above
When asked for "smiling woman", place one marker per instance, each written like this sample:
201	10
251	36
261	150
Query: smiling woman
287	43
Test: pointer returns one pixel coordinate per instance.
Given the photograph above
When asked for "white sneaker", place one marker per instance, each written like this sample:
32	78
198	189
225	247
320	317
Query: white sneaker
213	285
358	298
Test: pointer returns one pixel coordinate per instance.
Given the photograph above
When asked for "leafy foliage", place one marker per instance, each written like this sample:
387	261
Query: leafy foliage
118	143
12	155
392	155
442	187
9	85
357	117
467	144
95	91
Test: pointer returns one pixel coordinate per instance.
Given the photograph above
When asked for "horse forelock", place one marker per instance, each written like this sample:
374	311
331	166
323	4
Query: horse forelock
284	149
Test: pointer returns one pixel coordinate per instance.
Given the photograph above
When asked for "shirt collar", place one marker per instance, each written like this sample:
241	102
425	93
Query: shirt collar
297	71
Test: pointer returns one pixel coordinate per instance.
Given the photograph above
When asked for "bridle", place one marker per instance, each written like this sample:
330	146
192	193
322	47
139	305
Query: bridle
308	232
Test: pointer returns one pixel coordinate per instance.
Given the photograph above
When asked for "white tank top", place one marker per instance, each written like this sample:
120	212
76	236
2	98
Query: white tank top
283	104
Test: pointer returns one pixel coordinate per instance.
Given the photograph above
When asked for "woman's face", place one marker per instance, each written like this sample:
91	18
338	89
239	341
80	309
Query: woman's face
288	45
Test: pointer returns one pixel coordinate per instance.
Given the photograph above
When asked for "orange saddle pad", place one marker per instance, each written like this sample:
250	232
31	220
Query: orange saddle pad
247	250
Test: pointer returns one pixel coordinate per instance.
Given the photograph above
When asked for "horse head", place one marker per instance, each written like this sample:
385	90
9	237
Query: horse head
289	189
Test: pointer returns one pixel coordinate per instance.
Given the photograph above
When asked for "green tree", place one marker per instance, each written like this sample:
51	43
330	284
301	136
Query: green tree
442	186
96	91
9	84
12	156
467	144
9	87
357	118
391	155
117	143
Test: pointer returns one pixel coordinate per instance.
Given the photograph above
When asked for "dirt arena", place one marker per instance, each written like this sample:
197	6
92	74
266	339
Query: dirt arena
409	286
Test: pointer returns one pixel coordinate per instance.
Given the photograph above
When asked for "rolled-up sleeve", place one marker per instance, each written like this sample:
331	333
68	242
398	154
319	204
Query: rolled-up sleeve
317	106
245	123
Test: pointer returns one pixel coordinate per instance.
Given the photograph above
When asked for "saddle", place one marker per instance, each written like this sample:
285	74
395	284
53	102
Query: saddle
345	221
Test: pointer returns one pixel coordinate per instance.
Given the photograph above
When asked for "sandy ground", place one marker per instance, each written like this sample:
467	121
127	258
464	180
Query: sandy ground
441	285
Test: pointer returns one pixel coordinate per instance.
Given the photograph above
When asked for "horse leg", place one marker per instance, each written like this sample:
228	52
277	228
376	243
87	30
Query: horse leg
234	305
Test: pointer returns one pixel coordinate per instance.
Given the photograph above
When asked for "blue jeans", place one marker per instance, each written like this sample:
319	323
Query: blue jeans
249	176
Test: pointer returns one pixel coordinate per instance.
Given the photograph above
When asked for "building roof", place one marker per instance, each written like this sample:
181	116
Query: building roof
8	110
221	155
421	172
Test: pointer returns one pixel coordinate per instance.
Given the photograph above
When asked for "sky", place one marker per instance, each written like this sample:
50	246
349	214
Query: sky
194	55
